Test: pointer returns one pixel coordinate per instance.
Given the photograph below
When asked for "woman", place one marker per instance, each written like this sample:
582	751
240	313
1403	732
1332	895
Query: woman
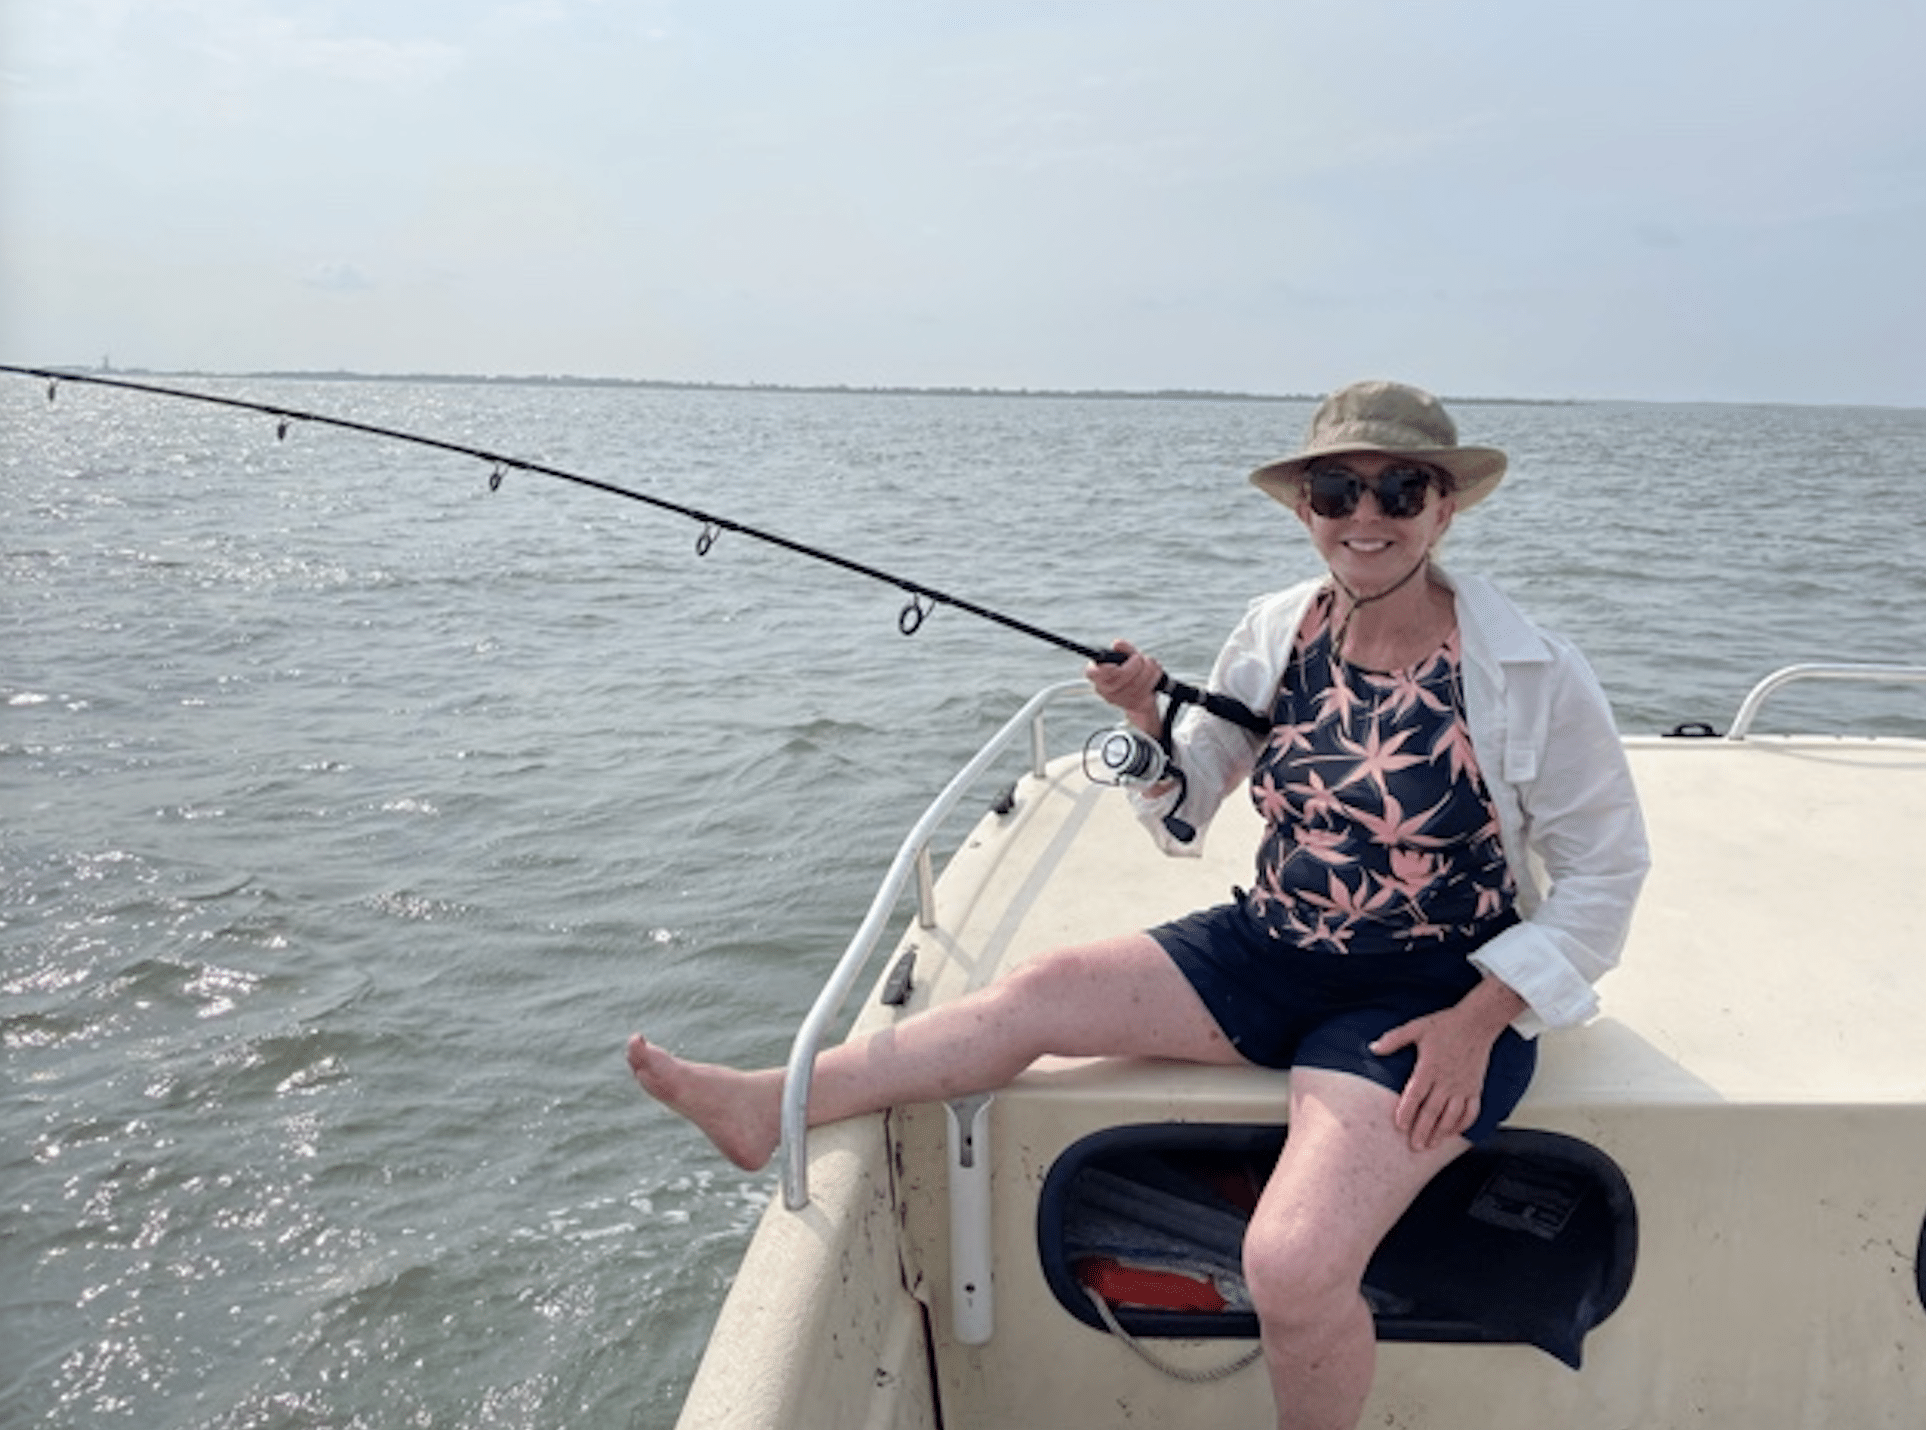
1452	850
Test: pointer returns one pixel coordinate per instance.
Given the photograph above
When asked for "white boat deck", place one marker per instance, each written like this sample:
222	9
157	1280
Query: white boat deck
1769	960
1778	954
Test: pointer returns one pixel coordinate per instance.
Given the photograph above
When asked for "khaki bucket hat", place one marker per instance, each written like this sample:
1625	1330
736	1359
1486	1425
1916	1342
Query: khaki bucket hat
1387	417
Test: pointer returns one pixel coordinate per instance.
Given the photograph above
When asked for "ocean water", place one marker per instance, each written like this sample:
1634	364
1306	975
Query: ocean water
352	813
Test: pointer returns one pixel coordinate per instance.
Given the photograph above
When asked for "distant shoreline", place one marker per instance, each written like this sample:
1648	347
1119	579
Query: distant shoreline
1103	394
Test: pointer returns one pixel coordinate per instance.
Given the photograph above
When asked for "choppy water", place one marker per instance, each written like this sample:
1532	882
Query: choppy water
351	815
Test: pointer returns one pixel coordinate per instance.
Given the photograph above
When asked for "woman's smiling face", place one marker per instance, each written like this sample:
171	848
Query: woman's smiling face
1368	550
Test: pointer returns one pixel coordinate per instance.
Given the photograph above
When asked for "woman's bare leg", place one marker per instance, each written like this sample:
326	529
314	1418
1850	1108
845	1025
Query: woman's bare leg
1346	1175
1120	998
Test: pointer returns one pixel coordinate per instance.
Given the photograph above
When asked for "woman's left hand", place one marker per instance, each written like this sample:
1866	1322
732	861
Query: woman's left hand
1446	1089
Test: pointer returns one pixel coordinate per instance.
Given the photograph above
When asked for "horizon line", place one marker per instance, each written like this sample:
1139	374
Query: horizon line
810	389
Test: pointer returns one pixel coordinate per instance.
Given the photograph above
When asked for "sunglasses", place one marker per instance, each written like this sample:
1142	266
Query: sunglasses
1400	490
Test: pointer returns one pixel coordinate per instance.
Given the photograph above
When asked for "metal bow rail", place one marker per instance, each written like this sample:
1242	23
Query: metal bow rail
1755	700
913	858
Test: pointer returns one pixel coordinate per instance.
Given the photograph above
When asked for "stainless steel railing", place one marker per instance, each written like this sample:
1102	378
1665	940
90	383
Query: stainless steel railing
1755	701
913	858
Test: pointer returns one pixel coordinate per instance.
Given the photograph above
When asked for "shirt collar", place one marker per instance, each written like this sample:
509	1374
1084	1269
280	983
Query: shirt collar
1489	621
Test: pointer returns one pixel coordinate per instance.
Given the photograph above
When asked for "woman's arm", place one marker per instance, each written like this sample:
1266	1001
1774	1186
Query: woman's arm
1582	827
1214	754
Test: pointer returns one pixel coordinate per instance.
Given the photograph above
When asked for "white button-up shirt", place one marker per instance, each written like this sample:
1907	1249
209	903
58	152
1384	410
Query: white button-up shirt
1551	759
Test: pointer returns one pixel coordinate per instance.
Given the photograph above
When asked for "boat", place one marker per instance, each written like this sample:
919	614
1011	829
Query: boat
1709	1210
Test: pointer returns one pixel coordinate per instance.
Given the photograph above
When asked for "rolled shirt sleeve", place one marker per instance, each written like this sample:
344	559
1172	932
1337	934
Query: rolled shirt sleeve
1574	835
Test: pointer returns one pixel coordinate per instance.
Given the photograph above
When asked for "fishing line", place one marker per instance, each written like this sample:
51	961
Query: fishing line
923	600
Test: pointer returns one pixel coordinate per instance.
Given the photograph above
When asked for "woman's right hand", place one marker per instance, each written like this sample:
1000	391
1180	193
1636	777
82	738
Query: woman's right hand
1130	685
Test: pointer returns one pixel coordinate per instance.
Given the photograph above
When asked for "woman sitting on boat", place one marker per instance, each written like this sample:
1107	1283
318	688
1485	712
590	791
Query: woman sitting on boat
1452	850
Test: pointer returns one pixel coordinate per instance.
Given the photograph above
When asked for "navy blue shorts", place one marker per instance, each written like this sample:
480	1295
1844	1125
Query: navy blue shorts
1282	1006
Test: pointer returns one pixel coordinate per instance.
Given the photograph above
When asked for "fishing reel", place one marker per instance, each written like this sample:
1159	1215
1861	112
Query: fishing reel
1124	756
1127	756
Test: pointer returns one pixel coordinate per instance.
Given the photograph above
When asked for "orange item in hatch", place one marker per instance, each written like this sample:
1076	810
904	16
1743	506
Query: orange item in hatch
1124	1285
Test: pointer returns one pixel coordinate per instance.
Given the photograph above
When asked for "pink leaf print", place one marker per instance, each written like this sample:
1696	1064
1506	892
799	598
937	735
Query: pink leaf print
1286	738
1319	799
1377	758
1412	870
1352	904
1269	799
1455	745
1338	702
1397	830
1336	936
1324	845
1405	690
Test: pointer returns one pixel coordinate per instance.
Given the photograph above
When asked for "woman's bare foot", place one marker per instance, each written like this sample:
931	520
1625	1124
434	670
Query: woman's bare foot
741	1112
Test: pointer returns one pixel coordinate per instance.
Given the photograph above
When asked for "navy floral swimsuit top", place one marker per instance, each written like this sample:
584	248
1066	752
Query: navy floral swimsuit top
1380	836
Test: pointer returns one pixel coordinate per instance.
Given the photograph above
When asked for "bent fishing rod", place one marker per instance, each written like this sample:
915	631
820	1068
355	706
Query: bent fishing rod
922	599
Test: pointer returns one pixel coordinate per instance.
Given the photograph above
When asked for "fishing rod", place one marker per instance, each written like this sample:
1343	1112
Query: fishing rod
922	599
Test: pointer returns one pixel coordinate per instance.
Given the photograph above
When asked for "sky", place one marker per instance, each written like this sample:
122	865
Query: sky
1677	200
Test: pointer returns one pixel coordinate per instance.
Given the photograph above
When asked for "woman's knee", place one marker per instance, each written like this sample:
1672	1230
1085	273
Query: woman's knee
1296	1275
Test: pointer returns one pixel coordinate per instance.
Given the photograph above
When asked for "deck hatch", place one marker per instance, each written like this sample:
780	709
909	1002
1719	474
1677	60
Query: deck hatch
1530	1238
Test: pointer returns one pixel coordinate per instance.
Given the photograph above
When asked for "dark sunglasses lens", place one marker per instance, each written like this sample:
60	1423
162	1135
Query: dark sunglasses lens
1401	491
1333	493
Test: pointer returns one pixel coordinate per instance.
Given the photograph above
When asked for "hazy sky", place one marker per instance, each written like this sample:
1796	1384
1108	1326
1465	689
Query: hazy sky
1685	199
